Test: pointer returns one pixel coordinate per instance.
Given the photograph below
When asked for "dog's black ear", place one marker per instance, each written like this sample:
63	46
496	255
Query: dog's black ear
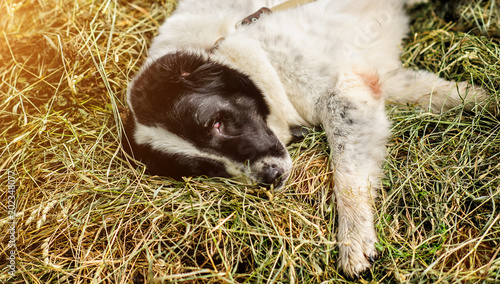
155	81
155	89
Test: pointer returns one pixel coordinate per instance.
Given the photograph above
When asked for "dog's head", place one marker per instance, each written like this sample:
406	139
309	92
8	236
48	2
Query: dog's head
192	116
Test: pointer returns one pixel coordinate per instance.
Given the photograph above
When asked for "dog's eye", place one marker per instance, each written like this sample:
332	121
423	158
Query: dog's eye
217	125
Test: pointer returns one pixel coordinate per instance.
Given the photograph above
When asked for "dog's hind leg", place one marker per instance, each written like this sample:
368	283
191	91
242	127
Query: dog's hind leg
429	91
357	130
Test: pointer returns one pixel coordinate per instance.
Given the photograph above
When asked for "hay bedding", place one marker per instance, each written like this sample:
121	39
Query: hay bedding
86	216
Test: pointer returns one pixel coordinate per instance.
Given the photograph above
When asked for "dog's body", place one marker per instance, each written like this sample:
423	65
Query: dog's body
228	109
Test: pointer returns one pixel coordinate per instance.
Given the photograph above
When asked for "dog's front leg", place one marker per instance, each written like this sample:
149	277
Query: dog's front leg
357	129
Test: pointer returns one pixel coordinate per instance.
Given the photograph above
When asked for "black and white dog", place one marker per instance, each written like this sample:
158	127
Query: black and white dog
219	98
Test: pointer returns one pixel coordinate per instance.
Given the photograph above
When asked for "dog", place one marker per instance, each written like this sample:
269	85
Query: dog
222	93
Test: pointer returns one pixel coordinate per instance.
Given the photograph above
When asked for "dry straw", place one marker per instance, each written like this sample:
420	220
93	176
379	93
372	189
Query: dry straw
86	216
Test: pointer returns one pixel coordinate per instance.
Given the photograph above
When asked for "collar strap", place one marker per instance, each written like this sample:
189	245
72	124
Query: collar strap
264	10
256	16
290	4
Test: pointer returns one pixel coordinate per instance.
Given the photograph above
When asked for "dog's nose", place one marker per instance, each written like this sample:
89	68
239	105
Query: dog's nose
273	175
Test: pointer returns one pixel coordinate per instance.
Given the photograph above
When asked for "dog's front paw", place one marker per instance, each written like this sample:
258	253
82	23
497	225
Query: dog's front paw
356	255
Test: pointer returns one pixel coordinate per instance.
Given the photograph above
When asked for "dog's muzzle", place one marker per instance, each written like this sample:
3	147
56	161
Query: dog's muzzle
273	175
271	172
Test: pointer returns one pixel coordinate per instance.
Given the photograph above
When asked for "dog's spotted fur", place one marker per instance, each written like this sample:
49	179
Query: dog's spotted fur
229	110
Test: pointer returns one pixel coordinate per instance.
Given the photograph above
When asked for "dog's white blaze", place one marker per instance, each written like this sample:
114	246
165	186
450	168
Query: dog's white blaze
167	142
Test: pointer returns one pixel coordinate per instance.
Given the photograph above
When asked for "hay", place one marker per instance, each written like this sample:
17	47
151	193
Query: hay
86	216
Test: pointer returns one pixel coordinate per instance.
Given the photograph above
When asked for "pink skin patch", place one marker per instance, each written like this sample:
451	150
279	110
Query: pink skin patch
372	81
